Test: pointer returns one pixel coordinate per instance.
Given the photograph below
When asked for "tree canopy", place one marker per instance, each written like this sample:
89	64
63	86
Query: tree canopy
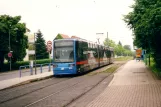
10	27
41	50
118	48
58	36
127	47
120	43
145	21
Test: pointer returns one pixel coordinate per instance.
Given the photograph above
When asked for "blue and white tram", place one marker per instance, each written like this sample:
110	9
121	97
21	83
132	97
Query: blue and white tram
73	56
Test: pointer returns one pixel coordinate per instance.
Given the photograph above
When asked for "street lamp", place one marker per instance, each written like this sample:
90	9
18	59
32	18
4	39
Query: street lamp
107	40
99	38
35	52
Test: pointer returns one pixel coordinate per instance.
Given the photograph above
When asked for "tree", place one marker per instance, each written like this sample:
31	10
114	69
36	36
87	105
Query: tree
145	22
120	43
127	47
110	43
11	27
59	36
119	50
41	51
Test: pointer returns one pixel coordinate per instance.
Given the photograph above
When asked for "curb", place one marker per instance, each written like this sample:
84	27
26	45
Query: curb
27	82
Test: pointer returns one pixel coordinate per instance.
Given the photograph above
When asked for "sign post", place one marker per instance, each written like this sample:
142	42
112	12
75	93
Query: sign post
10	55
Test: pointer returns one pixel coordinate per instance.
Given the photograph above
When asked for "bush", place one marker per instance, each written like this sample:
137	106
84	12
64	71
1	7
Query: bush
154	68
15	66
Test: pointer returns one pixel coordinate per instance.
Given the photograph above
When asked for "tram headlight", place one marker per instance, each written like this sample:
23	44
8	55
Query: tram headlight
71	65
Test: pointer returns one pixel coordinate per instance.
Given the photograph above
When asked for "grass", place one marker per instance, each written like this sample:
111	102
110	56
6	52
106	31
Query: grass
124	58
153	67
111	69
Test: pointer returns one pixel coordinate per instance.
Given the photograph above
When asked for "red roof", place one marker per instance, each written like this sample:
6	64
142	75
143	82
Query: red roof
64	36
75	37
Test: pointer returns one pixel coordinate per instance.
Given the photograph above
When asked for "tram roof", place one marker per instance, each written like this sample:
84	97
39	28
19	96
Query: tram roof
80	39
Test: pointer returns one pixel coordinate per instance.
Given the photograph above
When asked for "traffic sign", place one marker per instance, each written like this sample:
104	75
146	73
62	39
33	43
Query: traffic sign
49	43
49	48
9	54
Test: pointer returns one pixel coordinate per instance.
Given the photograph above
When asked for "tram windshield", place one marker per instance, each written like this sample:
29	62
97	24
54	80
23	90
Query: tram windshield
63	51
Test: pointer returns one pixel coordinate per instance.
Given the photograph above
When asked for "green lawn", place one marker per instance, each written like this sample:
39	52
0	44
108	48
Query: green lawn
124	58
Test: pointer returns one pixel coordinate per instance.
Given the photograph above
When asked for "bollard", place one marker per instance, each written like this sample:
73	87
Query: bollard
31	70
49	67
41	68
20	71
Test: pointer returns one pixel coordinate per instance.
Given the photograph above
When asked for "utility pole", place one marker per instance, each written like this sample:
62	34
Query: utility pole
98	47
107	40
98	37
35	54
98	40
10	47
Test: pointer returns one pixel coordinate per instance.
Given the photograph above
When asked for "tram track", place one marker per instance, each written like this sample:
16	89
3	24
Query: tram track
56	91
50	95
58	86
47	83
86	89
20	87
68	104
103	81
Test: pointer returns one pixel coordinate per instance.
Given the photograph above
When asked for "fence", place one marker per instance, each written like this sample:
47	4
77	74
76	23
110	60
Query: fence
31	68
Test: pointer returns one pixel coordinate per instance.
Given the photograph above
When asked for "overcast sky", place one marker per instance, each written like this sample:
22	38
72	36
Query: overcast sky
83	18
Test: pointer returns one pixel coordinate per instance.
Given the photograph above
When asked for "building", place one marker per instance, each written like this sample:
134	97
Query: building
30	40
61	36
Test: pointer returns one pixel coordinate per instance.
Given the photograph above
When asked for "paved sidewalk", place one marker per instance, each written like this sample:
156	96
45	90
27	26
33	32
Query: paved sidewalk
24	72
133	86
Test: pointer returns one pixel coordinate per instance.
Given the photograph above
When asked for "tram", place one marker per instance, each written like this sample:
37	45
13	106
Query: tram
74	56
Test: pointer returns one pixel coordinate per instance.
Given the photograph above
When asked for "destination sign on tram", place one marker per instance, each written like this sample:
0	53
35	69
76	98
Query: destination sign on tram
64	43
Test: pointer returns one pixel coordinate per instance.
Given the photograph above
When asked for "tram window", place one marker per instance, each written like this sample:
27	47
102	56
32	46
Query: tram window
82	48
64	53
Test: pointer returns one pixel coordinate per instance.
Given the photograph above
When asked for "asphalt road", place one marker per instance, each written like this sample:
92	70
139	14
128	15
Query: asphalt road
56	91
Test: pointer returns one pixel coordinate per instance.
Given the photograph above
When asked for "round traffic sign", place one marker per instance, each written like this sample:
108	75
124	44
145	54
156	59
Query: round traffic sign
9	54
49	43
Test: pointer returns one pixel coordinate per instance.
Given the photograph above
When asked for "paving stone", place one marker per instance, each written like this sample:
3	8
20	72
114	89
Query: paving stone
132	86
